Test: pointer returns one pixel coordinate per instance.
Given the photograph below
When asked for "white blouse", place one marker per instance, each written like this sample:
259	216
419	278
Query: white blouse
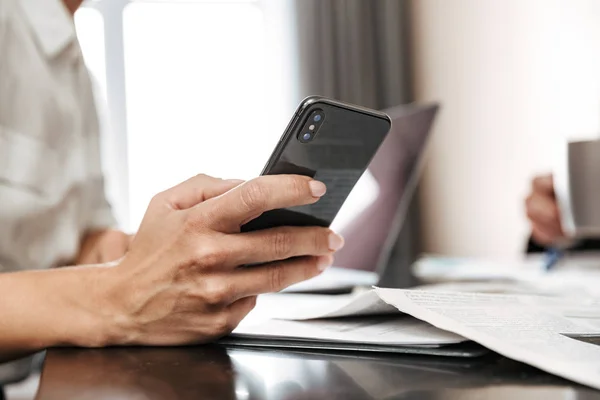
51	182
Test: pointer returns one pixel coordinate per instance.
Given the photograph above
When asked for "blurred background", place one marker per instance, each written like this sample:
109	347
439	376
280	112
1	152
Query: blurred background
208	86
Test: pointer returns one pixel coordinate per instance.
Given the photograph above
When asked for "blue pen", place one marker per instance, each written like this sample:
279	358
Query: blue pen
553	255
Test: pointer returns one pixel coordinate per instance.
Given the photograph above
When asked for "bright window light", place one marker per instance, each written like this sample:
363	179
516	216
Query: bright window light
210	86
197	94
90	32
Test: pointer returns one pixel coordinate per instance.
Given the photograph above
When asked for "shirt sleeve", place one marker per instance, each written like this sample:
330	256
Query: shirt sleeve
591	244
2	26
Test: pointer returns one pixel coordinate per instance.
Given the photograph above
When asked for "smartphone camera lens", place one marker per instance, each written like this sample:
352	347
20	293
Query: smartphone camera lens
310	130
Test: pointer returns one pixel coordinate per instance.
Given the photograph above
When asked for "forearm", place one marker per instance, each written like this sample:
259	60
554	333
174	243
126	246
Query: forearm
63	307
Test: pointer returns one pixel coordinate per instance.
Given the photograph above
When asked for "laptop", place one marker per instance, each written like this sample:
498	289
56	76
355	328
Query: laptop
373	215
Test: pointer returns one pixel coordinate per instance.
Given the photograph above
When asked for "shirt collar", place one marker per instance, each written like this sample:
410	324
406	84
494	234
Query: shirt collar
51	23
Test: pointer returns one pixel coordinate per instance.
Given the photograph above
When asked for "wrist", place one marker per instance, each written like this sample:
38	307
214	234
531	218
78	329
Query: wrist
61	307
100	321
114	324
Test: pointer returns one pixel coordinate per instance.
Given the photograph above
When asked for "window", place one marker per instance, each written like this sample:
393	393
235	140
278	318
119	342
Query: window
90	32
208	87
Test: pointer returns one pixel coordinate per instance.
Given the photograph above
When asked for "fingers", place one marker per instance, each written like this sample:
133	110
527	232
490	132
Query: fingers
196	190
543	212
229	317
544	185
276	276
239	309
544	234
544	237
263	194
544	215
281	243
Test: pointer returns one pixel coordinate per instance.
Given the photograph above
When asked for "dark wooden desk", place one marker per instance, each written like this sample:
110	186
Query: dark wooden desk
214	372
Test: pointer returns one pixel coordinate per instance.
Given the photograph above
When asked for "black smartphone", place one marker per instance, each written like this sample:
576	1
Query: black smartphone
332	142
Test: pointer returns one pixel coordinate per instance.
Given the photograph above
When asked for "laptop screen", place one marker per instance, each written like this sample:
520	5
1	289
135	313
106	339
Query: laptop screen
372	216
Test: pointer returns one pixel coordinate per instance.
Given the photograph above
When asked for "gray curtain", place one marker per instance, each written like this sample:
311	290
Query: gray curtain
354	50
357	51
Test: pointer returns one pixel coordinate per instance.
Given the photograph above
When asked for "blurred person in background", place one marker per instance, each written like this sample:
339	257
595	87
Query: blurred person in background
177	281
544	215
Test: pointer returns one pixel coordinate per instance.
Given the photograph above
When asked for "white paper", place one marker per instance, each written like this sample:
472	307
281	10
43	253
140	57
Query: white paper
434	269
574	275
281	305
286	316
396	330
334	278
493	287
529	329
359	304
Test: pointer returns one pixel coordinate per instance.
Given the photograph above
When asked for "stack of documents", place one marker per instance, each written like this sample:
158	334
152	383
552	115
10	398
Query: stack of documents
361	322
545	332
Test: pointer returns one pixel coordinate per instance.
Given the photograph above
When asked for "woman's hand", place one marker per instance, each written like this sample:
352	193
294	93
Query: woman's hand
181	280
543	213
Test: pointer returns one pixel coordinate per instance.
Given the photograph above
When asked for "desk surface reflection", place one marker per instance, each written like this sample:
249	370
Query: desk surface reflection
215	372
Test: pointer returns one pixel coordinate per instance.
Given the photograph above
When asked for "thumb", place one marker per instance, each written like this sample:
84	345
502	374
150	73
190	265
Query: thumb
544	184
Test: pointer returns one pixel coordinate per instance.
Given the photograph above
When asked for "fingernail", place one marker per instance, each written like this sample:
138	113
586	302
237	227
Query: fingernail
324	263
317	188
235	181
336	242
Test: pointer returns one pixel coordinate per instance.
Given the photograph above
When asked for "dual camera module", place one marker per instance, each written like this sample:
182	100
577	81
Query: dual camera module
311	126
